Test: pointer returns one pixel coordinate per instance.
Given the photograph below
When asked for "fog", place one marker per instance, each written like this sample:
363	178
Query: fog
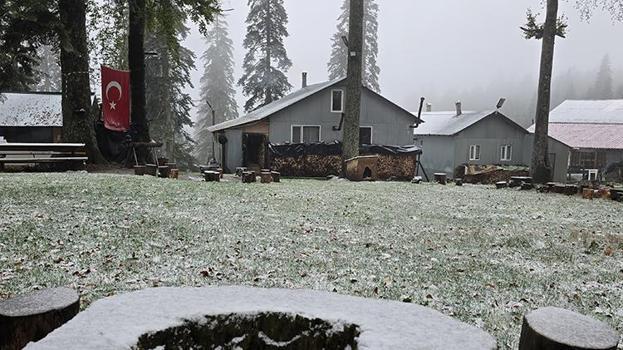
445	50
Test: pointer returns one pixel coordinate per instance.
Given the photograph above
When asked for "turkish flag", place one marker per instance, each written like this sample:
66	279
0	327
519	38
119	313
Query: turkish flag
116	99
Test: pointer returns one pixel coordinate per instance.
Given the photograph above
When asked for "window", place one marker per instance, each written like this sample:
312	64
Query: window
474	152
365	135
337	101
506	153
305	134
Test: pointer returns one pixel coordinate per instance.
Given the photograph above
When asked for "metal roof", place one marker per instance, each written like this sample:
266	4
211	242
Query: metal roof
448	123
589	112
31	109
274	107
591	136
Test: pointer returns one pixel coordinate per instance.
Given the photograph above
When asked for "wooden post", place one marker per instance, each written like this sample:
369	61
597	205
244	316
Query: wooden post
558	329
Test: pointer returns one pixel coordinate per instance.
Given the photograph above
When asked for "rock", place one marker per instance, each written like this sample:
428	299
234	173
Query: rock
552	328
31	317
250	318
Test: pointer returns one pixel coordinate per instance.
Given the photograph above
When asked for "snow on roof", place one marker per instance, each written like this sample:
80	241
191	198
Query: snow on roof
448	123
272	108
591	136
31	109
588	112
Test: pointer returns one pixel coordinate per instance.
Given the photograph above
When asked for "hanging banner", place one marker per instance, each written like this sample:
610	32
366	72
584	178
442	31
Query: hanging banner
116	99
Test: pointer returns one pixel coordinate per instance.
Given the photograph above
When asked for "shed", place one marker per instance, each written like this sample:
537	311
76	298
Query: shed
31	117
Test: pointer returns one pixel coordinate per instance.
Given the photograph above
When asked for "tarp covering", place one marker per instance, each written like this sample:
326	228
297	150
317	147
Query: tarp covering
335	148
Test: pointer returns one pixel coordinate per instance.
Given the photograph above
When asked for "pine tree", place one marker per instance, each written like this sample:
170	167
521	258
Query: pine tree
266	60
603	85
216	86
49	70
339	53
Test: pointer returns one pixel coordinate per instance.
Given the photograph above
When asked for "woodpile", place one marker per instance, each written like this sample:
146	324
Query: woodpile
308	165
399	167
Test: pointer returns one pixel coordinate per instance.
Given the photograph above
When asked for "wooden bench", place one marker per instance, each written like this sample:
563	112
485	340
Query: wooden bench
35	153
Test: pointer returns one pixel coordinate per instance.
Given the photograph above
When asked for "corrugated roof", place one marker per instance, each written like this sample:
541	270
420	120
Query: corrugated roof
591	112
591	136
31	109
448	123
274	107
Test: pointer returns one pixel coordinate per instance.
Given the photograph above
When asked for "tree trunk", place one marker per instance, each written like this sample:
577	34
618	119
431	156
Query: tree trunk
136	60
541	169
78	124
350	138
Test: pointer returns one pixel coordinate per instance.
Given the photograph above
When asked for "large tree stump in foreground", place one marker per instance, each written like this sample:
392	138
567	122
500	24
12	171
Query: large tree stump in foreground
552	328
31	317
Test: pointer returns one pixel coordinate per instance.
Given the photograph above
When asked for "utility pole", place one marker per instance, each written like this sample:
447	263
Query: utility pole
350	137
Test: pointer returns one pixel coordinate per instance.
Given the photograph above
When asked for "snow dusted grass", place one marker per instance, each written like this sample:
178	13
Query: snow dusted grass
482	255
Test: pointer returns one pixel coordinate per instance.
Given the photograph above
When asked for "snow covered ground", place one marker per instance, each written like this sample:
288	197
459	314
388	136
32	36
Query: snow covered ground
482	255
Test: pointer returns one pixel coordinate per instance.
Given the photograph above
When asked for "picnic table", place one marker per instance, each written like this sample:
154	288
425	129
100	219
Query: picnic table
34	153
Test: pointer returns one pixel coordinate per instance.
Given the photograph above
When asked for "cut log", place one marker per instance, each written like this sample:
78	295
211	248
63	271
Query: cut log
248	177
212	176
174	174
276	176
441	178
501	184
151	169
458	182
31	317
139	170
587	193
527	186
266	177
571	190
558	329
163	171
240	170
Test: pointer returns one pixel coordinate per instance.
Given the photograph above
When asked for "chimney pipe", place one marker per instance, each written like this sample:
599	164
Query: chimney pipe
429	107
304	80
459	110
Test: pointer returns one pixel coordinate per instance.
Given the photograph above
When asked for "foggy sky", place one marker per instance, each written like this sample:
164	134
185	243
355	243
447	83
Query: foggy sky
426	47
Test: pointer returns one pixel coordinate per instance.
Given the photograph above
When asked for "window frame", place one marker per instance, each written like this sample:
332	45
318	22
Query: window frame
477	152
506	153
301	135
341	102
371	133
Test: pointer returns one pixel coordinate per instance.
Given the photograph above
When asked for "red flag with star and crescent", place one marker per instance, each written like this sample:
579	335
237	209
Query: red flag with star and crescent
116	99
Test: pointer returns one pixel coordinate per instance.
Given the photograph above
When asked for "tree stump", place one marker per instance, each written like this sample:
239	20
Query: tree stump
527	186
441	178
266	177
571	190
248	177
151	169
276	176
212	176
552	328
31	317
163	171
139	170
174	174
